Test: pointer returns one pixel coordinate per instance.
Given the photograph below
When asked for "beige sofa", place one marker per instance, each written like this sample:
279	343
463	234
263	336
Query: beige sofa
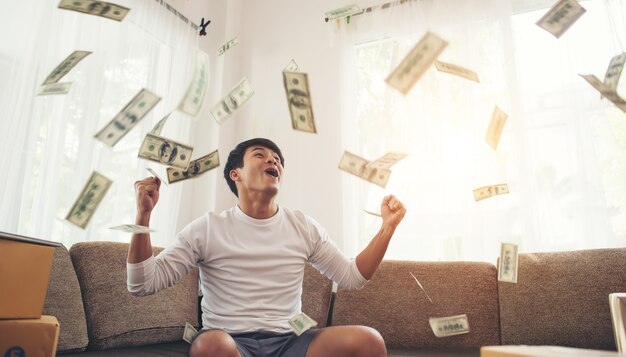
560	299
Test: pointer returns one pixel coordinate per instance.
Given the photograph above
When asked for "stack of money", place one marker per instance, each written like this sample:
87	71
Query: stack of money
97	8
51	85
561	17
449	326
196	168
301	322
165	151
89	199
235	99
299	101
507	267
376	172
490	191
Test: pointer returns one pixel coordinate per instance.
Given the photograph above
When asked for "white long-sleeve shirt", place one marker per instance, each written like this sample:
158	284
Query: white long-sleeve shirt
251	270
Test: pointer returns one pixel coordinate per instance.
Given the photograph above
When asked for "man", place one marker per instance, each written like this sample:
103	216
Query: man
251	260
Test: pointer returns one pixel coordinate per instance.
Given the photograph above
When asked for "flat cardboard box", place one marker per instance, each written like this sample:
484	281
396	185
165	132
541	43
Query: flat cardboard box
542	351
29	337
25	265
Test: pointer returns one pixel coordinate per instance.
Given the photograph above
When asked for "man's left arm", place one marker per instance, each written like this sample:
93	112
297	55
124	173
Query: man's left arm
392	212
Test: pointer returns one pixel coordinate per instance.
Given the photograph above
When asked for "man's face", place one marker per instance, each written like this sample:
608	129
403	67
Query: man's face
262	171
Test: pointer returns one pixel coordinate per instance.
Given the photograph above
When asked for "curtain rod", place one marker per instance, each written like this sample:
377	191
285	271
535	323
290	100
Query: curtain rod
379	7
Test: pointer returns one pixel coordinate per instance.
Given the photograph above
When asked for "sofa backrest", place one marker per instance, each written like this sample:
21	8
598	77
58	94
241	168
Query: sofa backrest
316	295
562	298
115	318
393	303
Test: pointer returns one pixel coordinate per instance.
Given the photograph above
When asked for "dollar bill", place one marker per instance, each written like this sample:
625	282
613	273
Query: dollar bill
235	99
561	17
299	100
416	62
158	127
66	66
372	213
196	168
97	8
301	322
507	267
605	91
153	173
498	119
132	228
190	332
228	45
490	191
614	71
387	160
165	151
421	287
379	177
55	88
128	117
192	102
456	70
292	66
89	199
358	166
343	12
450	325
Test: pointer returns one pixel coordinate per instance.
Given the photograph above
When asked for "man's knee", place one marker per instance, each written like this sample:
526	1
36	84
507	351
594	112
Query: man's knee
214	343
366	341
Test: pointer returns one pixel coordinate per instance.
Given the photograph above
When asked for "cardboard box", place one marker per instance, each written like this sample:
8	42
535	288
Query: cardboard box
29	337
25	265
542	351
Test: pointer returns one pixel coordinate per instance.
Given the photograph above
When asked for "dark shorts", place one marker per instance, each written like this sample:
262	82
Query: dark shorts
271	344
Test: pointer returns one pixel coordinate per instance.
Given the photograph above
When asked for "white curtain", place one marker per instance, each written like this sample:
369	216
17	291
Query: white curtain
48	141
562	152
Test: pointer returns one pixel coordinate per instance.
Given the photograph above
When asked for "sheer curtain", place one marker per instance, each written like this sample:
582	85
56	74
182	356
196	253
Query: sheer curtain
48	141
562	150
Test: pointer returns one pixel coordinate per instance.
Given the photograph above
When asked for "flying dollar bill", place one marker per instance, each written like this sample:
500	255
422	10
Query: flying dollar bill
153	173
192	102
561	17
97	8
498	119
507	267
372	213
301	322
421	287
132	228
292	66
228	45
387	160
456	70
450	325
343	12
55	88
128	117
189	333
605	91
236	98
490	191
89	199
66	66
299	100
416	62
358	166
196	168
614	71
158	127
165	151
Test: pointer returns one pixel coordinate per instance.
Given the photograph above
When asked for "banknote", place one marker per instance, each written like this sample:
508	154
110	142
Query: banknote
416	62
605	91
196	168
55	88
456	70
489	191
192	102
379	177
132	228
235	99
158	127
66	66
372	213
299	100
343	12
292	66
165	151
507	267
387	160
190	332
498	119
301	322
128	117
421	287
97	8
614	71
228	45
153	173
561	17
358	166
89	199
450	325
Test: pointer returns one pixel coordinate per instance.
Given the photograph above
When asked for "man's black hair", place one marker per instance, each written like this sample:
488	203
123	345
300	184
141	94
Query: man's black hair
235	158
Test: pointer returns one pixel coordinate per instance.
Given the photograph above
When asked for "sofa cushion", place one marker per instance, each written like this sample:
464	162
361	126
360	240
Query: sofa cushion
562	298
393	303
115	318
316	294
65	302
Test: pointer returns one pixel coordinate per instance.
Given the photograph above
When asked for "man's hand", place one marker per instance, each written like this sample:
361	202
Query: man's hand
147	192
392	211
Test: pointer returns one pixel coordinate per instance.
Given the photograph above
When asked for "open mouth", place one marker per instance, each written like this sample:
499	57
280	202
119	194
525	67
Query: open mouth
272	172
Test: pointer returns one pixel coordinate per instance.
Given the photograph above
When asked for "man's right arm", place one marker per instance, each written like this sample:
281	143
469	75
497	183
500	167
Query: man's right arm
147	192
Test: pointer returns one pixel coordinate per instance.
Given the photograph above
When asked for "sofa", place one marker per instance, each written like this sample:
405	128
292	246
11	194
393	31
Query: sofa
559	299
